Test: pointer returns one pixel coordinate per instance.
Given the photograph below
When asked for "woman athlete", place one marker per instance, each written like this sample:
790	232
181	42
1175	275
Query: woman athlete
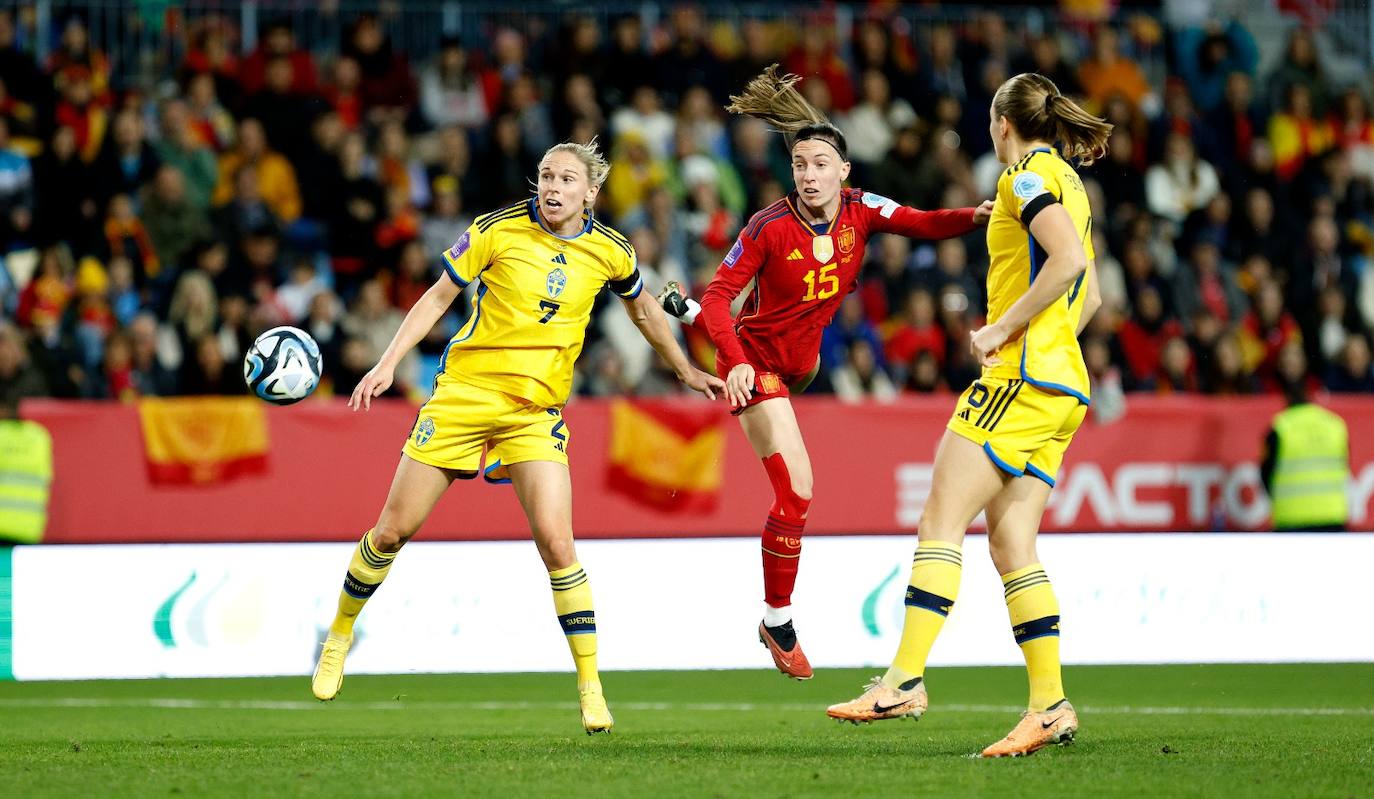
804	253
502	383
1009	431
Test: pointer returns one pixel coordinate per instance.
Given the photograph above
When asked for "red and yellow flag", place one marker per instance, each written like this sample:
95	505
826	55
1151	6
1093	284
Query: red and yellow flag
667	455
199	440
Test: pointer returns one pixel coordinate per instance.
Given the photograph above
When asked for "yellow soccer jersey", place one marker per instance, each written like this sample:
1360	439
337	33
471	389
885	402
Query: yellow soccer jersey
1047	354
534	300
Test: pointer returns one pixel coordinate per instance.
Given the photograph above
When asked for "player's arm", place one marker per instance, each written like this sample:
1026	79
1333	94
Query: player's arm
653	325
886	216
1092	298
1053	228
462	263
740	266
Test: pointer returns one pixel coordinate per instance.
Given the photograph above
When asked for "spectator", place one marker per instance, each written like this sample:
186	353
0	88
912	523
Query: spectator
1296	133
1226	375
1046	57
1110	74
210	121
849	326
645	118
387	88
1264	332
1335	324
210	55
885	291
889	53
318	169
373	321
358	206
18	70
151	377
65	203
626	63
1206	283
341	95
413	276
860	378
125	300
1300	66
194	312
505	169
1352	373
19	378
395	168
117	379
1144	335
946	72
522	100
206	373
278	43
450	93
1208	57
1176	373
1257	233
78	110
1182	184
300	290
127	160
16	194
233	336
454	163
273	176
284	111
816	60
446	223
688	60
173	222
924	377
1235	123
181	149
126	235
916	331
1354	132
247	212
635	171
75	59
577	106
873	123
400	226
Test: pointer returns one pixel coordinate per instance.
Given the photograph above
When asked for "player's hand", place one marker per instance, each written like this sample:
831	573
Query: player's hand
739	385
985	342
983	213
377	380
707	384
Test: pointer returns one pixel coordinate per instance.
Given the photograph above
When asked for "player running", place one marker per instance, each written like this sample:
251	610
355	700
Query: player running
1010	429
502	383
804	253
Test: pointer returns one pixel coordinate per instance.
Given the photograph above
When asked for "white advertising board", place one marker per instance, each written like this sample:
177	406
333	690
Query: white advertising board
261	609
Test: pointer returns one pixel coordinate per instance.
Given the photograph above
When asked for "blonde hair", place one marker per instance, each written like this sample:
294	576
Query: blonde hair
1033	105
774	99
589	154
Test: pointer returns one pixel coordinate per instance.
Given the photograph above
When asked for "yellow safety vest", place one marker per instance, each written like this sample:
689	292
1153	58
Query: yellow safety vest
1311	468
25	478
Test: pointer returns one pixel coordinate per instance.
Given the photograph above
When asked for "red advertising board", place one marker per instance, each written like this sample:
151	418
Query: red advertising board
1175	464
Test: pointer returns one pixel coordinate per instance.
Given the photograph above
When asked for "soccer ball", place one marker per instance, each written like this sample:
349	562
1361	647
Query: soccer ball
283	366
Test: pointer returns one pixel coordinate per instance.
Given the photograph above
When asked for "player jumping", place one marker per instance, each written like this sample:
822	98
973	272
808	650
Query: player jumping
1010	429
502	383
804	253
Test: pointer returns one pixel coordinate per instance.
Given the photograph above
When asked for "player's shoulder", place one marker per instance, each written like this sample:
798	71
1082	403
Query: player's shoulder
1038	172
871	202
764	218
515	212
604	233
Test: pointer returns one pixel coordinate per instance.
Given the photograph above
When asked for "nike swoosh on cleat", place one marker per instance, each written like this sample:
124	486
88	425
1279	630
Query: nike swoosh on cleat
1045	725
877	708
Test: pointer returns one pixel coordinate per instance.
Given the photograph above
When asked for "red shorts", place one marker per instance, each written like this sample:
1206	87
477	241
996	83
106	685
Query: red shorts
768	385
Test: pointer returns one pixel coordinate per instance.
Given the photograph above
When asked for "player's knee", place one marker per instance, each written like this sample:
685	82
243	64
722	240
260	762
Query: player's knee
557	552
936	525
1010	554
390	538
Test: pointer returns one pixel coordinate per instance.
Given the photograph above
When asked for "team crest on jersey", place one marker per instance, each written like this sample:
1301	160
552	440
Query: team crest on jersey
846	239
424	431
556	282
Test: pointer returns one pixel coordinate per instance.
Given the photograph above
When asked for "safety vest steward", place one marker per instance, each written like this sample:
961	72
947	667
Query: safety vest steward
25	480
1311	468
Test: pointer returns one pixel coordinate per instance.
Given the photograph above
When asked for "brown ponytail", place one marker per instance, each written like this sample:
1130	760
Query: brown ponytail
774	99
1034	106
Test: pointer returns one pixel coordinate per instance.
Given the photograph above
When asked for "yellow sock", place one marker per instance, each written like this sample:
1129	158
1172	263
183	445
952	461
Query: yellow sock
1034	612
934	584
366	571
572	600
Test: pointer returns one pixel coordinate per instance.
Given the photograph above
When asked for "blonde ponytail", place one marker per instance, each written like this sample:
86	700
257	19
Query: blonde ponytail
1034	106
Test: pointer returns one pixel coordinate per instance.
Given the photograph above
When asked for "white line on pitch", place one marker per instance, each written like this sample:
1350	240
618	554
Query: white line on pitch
707	707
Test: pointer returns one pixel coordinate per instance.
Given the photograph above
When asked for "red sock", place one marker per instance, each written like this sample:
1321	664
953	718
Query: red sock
782	535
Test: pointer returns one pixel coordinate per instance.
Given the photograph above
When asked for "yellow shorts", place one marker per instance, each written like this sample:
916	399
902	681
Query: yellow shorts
1022	429
461	420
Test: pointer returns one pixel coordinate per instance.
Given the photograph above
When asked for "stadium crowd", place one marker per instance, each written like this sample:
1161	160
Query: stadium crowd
150	232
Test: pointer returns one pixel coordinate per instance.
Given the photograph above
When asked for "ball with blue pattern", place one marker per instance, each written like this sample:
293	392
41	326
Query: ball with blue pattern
283	366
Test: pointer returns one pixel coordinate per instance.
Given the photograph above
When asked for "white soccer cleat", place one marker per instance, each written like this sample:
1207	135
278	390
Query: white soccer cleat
329	675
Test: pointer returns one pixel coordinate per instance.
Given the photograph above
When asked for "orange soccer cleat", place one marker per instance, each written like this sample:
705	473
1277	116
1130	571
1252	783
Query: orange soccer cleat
1037	730
790	661
880	702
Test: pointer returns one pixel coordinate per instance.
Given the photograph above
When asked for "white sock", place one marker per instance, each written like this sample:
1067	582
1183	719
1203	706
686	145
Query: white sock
693	308
776	617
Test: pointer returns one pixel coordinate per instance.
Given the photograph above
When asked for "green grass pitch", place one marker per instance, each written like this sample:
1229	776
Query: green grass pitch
1251	731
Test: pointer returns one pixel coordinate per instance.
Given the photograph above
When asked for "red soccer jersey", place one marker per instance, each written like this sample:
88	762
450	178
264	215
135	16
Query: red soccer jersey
801	278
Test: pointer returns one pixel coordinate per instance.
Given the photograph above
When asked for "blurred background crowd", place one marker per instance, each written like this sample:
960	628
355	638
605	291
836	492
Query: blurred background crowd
173	183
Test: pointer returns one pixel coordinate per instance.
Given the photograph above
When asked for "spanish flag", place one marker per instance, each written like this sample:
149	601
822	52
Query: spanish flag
199	440
669	456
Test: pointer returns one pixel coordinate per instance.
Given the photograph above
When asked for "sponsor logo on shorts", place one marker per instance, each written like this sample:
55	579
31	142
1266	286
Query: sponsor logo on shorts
424	431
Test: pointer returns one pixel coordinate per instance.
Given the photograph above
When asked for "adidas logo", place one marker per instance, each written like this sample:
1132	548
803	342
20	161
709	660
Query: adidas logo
795	255
559	259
